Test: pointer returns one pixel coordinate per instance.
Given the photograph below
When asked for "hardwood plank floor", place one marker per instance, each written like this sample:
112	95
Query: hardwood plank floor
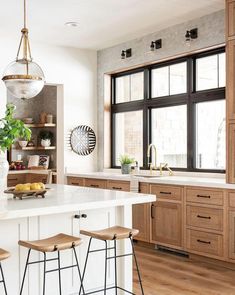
167	274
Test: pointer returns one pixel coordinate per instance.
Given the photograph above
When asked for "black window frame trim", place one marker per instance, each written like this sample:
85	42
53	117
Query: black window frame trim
190	98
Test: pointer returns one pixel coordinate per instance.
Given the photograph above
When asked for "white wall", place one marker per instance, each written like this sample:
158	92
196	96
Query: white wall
74	68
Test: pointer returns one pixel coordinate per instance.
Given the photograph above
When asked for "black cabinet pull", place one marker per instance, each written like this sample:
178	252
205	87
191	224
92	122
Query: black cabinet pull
152	207
205	217
84	215
165	193
117	188
203	196
203	242
94	185
77	216
73	183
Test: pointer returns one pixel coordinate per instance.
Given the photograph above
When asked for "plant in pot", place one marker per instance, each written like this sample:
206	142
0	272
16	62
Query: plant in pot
126	162
46	138
11	130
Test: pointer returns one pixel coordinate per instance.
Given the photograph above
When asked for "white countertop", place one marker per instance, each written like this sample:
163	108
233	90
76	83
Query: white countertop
214	182
66	198
41	171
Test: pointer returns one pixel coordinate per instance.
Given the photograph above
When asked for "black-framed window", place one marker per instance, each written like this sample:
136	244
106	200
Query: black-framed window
179	105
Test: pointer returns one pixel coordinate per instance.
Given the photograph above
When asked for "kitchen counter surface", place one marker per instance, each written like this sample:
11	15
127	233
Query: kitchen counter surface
65	198
214	182
30	171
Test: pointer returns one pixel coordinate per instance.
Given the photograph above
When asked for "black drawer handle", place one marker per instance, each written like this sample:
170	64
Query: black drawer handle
84	215
117	188
74	183
13	179
94	185
203	242
165	193
152	207
205	217
203	196
77	216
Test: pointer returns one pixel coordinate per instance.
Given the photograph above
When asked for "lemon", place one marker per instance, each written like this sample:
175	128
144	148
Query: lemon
25	187
35	186
42	186
19	187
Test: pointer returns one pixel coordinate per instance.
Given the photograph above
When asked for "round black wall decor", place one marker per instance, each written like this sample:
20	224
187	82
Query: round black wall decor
82	140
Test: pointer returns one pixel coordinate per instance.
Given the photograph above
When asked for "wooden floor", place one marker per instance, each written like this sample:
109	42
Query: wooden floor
168	274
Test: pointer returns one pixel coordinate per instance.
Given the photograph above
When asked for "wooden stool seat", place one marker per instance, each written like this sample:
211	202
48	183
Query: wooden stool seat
55	243
111	233
4	254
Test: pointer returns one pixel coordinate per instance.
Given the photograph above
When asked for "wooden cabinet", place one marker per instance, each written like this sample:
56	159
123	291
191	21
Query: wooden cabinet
231	152
163	192
14	179
204	196
167	223
31	177
75	181
118	185
230	19
141	217
95	183
232	234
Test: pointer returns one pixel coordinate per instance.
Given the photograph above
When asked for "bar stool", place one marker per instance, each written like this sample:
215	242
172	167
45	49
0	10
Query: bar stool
111	234
53	244
3	255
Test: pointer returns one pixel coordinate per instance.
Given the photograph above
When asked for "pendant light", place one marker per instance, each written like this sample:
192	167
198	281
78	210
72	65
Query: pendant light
23	77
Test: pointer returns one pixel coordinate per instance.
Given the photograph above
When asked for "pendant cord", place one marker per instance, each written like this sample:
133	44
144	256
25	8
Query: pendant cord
24	13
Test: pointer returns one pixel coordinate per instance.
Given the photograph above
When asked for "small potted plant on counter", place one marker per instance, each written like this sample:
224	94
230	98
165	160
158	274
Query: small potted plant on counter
46	138
126	162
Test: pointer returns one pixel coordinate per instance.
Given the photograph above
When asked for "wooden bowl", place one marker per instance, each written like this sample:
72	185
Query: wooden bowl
24	194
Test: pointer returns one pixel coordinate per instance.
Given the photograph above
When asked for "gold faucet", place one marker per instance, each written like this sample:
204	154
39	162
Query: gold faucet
165	166
152	167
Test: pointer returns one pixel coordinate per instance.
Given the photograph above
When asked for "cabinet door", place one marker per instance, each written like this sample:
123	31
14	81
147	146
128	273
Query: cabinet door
167	223
95	183
141	217
31	177
118	185
14	179
94	220
75	181
232	234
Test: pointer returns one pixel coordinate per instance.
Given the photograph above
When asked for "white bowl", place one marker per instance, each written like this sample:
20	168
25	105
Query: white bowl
23	143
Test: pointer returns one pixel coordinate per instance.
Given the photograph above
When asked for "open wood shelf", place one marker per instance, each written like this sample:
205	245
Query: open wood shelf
36	148
40	125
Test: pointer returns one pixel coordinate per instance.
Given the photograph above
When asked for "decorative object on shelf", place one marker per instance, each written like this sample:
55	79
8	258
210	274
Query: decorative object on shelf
126	162
44	161
17	165
156	44
82	140
28	120
23	77
23	143
191	35
31	143
126	53
46	138
43	118
10	130
49	119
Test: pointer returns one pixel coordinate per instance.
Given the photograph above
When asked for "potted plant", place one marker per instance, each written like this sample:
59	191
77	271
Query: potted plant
10	130
126	162
46	138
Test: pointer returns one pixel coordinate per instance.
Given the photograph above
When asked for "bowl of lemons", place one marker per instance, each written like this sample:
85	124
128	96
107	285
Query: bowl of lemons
22	190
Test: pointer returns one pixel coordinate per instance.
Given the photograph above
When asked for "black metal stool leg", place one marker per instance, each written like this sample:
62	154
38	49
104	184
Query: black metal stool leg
25	270
105	269
44	274
59	271
79	272
84	270
115	265
137	268
3	279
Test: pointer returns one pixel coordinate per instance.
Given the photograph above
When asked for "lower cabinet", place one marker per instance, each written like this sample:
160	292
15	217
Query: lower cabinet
166	223
232	234
14	179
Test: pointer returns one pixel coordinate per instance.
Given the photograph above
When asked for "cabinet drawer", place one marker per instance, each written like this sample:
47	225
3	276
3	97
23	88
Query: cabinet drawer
37	178
205	196
118	185
166	192
75	181
95	183
231	199
205	242
205	217
14	179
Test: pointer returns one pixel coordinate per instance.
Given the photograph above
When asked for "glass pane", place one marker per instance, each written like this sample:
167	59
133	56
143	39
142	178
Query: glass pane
129	135
222	70
210	140
130	87
137	86
160	82
178	81
207	72
169	134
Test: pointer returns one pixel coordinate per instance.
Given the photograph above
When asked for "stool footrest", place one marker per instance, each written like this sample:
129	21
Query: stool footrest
109	288
119	256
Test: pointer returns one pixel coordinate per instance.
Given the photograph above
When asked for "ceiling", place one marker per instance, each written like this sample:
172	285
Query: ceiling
102	23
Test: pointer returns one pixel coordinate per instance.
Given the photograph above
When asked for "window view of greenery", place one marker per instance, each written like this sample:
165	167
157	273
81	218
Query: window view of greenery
183	115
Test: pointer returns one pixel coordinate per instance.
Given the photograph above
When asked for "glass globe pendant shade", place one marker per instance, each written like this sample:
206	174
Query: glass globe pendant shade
24	78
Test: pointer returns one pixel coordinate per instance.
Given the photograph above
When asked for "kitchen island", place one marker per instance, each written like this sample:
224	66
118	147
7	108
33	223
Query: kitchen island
65	209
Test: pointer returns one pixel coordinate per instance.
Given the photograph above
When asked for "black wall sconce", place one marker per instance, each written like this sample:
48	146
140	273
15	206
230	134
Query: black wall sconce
126	53
191	35
156	44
